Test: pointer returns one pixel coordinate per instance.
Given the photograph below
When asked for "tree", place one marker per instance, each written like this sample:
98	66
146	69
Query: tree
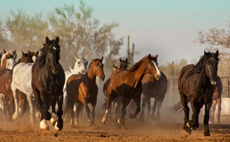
24	31
81	34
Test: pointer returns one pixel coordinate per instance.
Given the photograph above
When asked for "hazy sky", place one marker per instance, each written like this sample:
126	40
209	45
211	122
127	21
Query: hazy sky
168	28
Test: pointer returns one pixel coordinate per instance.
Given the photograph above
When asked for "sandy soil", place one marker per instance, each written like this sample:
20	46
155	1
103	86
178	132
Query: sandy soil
134	131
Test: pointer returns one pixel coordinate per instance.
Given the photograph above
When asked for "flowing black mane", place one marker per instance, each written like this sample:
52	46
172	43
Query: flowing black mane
198	67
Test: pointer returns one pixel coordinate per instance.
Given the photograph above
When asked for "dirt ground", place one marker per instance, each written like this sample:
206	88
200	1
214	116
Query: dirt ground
134	131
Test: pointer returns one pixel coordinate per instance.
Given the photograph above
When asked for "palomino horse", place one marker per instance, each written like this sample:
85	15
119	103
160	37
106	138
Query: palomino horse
21	81
196	85
152	88
117	102
48	79
127	83
80	67
5	81
83	89
8	59
216	101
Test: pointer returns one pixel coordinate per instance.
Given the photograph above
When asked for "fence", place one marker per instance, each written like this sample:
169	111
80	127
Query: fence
174	86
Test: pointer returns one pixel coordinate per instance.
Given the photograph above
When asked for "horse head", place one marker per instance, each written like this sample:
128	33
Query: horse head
123	64
52	50
80	65
26	57
152	67
97	68
34	55
8	59
211	66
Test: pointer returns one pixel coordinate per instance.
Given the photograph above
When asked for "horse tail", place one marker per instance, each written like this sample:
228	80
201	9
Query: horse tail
177	108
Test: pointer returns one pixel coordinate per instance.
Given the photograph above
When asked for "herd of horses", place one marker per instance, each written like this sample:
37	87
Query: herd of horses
38	81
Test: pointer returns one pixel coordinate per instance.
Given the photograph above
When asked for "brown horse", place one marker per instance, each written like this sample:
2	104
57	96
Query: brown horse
123	66
5	81
82	89
152	88
216	101
196	85
127	83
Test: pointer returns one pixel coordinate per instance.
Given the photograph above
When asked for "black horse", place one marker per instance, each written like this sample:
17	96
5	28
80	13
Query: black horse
196	85
47	82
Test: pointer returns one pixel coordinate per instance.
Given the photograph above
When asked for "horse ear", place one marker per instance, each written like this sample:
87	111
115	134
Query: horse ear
29	52
156	56
205	53
23	53
37	53
149	56
57	39
75	57
217	53
126	60
15	55
4	51
86	63
47	39
102	58
119	59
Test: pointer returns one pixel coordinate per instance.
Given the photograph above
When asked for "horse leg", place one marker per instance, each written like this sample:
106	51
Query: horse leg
194	124
186	112
121	120
89	121
14	91
137	100
59	122
79	109
115	110
109	99
93	103
212	111
143	107
206	119
45	115
54	117
31	107
154	109
70	109
219	109
158	110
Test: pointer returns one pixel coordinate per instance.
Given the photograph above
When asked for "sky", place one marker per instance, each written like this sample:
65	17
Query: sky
168	28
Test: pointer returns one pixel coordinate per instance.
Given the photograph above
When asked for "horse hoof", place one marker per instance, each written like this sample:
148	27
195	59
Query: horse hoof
54	119
132	116
120	121
44	125
187	129
207	134
59	125
103	120
14	117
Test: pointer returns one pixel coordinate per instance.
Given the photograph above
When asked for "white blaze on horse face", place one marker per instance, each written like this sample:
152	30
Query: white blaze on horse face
34	58
54	48
158	71
10	63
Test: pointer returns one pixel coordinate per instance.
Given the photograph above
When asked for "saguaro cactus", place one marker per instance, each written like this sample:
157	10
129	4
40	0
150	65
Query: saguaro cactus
130	56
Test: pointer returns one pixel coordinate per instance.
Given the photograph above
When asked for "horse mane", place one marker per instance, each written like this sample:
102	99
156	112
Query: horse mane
41	60
137	65
199	65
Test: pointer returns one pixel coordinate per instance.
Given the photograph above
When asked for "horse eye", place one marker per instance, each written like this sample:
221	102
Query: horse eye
78	63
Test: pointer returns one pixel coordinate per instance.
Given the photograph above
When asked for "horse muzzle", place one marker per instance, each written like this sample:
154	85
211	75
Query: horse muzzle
84	72
102	77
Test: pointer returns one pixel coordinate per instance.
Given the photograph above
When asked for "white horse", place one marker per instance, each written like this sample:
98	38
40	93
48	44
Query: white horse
21	81
80	67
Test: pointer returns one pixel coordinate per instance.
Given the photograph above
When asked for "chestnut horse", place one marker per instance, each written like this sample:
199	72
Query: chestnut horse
48	79
117	102
5	81
196	85
127	83
8	59
216	101
152	88
82	89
